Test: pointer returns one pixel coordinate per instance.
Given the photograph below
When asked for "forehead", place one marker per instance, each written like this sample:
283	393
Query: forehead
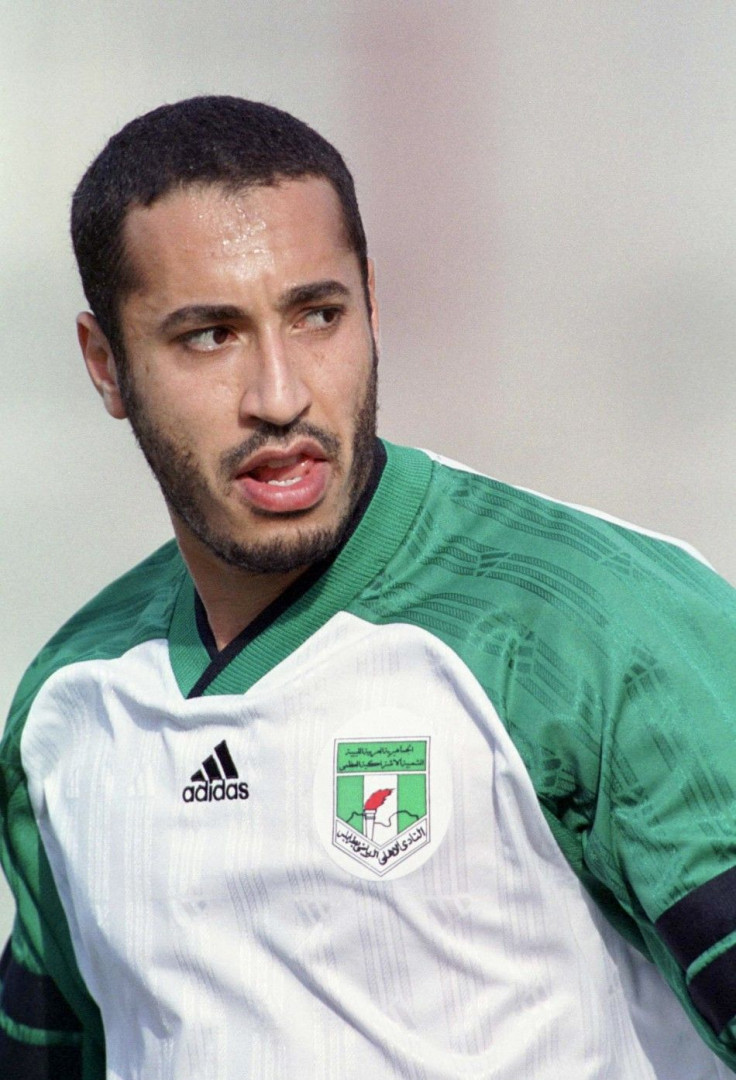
208	228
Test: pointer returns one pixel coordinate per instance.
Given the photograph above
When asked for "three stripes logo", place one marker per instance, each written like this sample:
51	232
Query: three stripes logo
217	781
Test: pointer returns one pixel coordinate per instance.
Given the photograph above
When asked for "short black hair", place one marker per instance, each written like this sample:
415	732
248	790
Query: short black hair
217	140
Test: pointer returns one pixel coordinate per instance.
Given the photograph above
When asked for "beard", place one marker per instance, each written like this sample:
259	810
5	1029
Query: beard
187	492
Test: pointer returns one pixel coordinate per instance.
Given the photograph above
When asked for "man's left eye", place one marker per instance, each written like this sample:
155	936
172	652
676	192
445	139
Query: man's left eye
320	318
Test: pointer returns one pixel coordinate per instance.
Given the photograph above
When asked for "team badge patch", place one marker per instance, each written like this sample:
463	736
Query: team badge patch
381	800
382	793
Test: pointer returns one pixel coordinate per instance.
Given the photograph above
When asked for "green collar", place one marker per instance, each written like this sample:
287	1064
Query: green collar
377	538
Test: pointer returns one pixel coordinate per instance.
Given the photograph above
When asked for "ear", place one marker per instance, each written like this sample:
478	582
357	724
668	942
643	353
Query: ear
100	363
372	296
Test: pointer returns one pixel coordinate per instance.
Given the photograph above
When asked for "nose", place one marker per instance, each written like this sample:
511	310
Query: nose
275	392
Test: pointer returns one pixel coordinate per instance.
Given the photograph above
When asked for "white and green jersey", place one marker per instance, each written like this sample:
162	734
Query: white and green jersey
460	805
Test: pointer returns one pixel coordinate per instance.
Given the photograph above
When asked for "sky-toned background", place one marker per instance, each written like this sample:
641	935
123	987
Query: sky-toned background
548	189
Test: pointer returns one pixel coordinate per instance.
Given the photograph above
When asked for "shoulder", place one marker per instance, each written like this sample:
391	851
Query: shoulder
561	612
565	554
134	608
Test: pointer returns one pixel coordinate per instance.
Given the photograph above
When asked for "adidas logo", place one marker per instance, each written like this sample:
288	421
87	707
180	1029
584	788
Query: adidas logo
217	780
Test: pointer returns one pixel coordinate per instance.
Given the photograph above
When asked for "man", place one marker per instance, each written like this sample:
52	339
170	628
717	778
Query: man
382	768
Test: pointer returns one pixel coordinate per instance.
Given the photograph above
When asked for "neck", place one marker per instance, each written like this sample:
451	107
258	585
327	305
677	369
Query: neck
232	598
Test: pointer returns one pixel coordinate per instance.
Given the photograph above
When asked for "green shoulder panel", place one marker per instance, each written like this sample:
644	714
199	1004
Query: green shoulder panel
134	608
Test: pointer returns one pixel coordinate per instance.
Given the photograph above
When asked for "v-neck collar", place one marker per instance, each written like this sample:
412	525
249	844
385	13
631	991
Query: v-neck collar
312	599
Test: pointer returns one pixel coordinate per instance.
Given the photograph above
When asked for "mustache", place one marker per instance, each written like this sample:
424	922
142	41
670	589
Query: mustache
275	436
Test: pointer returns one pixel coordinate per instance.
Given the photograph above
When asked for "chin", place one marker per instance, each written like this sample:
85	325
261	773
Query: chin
280	548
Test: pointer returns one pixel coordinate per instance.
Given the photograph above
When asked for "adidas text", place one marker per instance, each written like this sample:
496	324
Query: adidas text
217	791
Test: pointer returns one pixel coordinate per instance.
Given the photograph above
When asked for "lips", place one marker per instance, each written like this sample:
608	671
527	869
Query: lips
284	472
285	481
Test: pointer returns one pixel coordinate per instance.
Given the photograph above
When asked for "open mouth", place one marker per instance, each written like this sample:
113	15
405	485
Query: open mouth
289	482
282	473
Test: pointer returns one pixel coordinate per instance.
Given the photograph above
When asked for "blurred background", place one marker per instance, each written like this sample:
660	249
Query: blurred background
548	190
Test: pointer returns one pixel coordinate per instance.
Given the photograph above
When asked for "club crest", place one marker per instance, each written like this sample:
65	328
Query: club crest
381	800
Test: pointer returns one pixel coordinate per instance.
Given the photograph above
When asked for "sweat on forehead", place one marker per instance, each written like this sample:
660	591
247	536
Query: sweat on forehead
235	222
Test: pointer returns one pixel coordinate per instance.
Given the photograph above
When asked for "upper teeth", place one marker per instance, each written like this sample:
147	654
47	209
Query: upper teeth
285	483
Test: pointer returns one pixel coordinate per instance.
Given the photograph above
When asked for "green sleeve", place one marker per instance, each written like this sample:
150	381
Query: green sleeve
663	836
40	1036
633	755
50	1028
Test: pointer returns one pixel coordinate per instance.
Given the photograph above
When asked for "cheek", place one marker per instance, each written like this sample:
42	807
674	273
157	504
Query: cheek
194	407
343	388
340	407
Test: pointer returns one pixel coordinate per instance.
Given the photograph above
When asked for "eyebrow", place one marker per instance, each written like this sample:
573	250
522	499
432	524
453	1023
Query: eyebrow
314	292
200	314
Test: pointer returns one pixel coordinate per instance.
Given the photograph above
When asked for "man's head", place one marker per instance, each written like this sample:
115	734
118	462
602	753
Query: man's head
234	325
224	141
